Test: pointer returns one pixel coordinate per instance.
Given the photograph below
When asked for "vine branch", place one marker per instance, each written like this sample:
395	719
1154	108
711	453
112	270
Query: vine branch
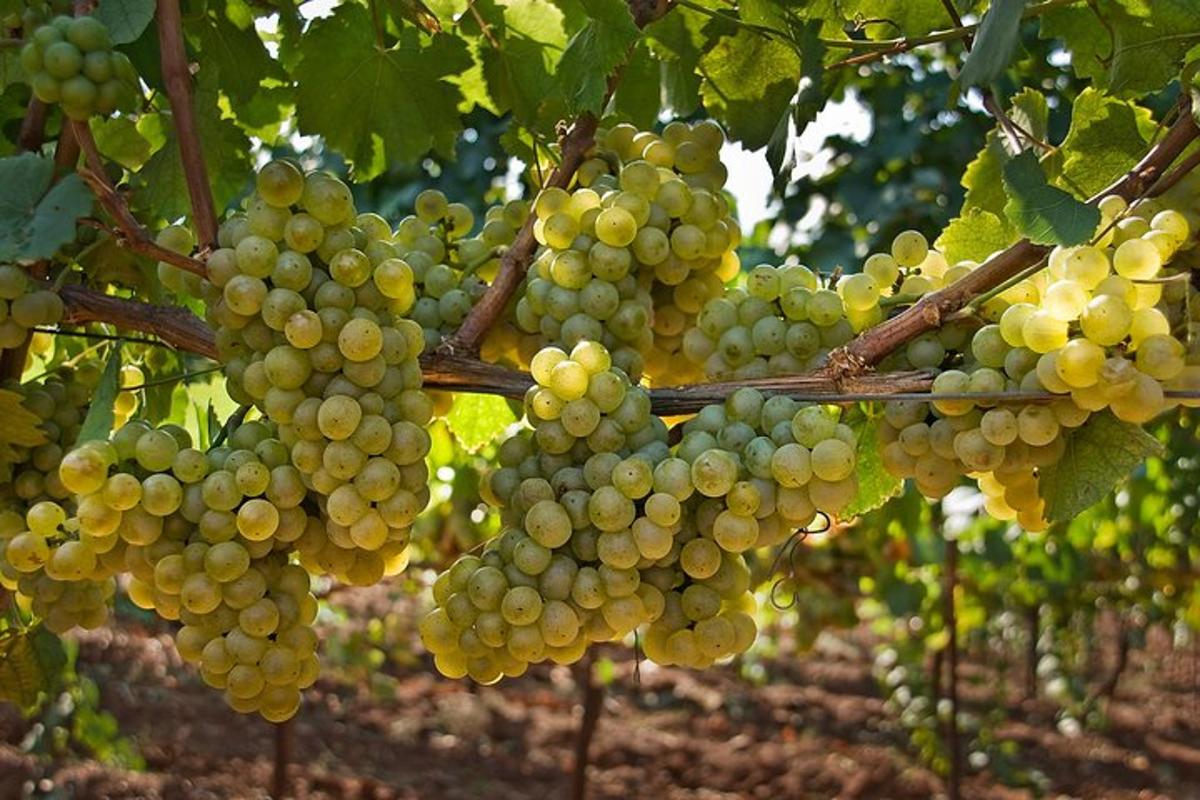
177	78
129	232
174	325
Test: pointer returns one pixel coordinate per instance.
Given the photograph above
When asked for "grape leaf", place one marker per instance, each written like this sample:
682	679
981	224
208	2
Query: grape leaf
520	72
31	663
994	43
638	96
875	484
1084	34
1104	141
983	178
1150	40
19	427
677	41
161	187
378	105
748	83
887	19
477	420
125	19
594	52
1030	110
118	138
99	420
238	55
1099	454
1044	213
36	218
810	99
974	236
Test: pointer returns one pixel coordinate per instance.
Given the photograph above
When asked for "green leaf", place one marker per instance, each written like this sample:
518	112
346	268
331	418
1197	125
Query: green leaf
520	72
31	664
995	42
99	420
161	186
1098	455
20	430
118	138
238	55
677	42
1104	141
477	420
378	106
974	236
1044	213
638	95
1150	40
35	218
595	50
125	19
875	484
748	84
983	178
1084	34
1030	110
810	99
888	19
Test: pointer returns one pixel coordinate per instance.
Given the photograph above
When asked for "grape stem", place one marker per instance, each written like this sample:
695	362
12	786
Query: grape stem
183	376
177	78
102	337
129	233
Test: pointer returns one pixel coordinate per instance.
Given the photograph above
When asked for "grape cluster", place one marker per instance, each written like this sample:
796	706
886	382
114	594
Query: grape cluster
71	61
206	538
44	558
565	572
308	298
24	306
1099	328
635	250
35	13
607	530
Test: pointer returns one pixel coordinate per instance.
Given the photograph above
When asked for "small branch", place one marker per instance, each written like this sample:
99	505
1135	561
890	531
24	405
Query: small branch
174	325
33	127
875	343
593	703
182	376
1168	181
235	420
879	49
129	233
178	79
283	756
100	337
951	623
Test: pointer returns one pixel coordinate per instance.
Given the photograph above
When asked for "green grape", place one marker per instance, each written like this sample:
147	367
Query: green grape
909	249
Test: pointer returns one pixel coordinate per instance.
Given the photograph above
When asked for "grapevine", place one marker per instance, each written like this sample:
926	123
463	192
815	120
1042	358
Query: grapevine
231	382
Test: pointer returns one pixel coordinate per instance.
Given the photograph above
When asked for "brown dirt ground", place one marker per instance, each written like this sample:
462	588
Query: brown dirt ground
816	729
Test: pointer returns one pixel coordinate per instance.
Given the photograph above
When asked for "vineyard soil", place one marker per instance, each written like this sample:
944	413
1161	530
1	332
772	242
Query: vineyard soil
818	729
